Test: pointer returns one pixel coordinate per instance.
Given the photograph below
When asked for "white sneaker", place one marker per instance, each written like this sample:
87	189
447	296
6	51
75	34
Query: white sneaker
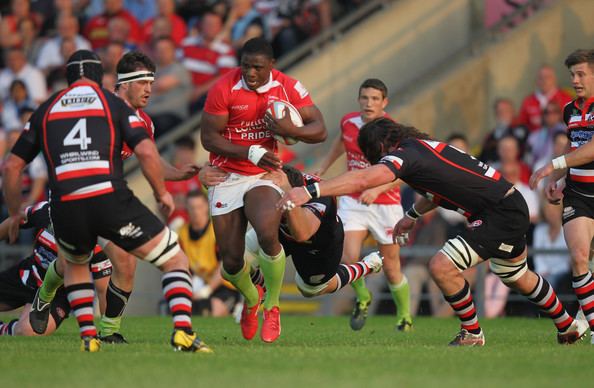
573	333
374	261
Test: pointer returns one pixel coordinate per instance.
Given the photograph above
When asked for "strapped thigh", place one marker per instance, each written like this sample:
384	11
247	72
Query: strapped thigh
308	290
164	250
460	253
507	271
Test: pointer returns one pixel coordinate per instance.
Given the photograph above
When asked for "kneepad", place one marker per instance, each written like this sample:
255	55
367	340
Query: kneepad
460	253
164	250
508	272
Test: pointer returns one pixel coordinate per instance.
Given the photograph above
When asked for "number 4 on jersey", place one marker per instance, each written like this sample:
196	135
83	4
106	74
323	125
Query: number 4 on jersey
78	135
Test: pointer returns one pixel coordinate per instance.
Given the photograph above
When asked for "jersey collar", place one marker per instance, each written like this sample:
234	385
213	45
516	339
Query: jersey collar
262	89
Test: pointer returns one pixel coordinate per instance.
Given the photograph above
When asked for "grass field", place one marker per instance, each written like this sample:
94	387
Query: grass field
312	352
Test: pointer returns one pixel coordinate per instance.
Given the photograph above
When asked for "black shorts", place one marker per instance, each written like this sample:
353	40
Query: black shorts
500	231
15	294
314	266
119	217
228	296
576	205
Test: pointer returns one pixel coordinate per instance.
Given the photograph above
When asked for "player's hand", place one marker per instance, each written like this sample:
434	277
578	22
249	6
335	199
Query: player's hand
14	223
539	174
270	162
166	204
283	126
293	198
188	171
368	196
554	192
279	178
212	176
401	230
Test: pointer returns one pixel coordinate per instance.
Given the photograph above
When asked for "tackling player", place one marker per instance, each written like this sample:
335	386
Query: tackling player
447	177
374	210
240	139
19	284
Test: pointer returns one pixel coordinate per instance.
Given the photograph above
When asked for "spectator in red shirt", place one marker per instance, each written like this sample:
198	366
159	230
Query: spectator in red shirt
19	10
508	150
530	114
166	8
184	154
96	30
207	58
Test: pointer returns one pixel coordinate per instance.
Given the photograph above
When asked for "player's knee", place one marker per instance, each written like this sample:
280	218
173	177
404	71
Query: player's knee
166	248
580	254
439	266
507	271
232	267
267	238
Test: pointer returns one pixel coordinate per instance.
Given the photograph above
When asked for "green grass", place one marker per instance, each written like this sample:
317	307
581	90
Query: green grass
312	352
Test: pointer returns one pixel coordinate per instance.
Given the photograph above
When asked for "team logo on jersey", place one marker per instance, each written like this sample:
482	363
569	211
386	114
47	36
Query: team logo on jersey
475	224
221	205
131	231
568	211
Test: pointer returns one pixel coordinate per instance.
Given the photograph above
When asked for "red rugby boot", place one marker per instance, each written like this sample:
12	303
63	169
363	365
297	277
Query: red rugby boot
271	326
249	317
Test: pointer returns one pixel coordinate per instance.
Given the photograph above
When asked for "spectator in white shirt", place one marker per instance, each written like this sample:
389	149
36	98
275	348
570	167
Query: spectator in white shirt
18	68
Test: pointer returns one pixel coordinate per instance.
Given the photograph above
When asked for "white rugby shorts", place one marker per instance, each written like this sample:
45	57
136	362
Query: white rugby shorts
378	219
228	196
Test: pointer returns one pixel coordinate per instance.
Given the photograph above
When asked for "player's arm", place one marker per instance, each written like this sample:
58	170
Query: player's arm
150	163
336	149
350	182
211	135
314	128
303	223
172	173
370	195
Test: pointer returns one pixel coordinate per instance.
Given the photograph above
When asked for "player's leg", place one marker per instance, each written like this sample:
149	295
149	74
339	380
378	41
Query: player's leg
265	219
446	268
58	312
398	285
353	240
578	233
515	274
118	293
418	275
53	279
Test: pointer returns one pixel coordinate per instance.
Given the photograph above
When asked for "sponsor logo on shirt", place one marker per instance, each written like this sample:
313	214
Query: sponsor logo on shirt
475	224
239	107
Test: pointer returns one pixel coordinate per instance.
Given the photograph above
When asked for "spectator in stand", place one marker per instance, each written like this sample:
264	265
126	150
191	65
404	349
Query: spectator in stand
17	100
143	10
18	68
511	171
207	58
508	153
530	115
540	142
120	30
20	10
504	125
171	90
56	79
430	230
166	9
548	234
30	42
96	30
111	55
50	56
243	22
197	239
109	81
184	153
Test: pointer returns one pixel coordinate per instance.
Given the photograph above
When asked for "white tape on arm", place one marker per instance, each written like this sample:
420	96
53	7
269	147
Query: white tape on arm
559	163
256	153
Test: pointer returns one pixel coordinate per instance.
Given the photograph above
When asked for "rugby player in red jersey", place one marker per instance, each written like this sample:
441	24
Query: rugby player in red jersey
240	139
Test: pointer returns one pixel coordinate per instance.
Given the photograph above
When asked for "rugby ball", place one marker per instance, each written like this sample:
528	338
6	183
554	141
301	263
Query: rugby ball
276	109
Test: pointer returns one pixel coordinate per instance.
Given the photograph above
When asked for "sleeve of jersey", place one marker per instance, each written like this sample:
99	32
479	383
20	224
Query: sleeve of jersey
319	206
216	100
299	95
133	131
37	216
397	162
27	146
100	265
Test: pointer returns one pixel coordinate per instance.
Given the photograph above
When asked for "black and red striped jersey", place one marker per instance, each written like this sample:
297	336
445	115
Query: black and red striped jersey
81	131
447	176
32	269
580	128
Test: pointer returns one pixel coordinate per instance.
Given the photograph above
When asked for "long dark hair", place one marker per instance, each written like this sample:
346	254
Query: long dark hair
377	136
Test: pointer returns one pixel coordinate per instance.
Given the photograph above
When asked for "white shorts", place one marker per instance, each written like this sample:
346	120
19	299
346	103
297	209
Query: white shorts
377	219
228	196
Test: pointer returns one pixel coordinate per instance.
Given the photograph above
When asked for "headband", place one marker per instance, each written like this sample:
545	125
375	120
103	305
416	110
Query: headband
142	75
81	63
